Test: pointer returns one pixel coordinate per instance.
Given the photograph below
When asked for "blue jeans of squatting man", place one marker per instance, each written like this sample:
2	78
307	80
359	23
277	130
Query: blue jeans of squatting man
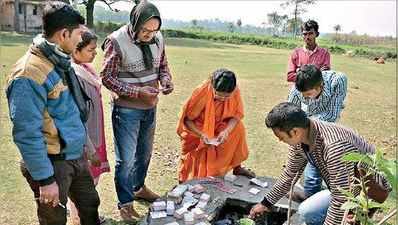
312	180
313	210
133	131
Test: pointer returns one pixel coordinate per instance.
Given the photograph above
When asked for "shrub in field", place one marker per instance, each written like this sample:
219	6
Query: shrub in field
336	49
392	55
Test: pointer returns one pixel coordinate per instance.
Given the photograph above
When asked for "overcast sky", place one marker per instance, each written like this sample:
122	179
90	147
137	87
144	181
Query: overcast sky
372	17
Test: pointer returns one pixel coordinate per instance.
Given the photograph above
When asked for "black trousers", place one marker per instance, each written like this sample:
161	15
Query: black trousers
74	181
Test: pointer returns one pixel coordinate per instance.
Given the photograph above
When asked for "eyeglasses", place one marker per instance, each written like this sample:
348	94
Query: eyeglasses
146	31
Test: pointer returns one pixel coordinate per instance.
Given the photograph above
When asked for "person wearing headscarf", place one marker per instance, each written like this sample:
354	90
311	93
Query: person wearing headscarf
212	134
135	70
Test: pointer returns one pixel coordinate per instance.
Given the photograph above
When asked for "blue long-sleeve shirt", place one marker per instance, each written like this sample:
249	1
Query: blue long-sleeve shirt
45	118
330	103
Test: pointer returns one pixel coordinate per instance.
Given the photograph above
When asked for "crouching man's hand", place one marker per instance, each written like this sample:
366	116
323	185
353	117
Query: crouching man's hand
258	210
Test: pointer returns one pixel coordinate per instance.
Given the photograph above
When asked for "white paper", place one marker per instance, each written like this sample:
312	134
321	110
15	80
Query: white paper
202	223
202	204
170	208
189	201
254	191
259	182
172	223
180	212
204	197
188	194
188	217
197	189
190	187
213	141
157	215
198	213
159	206
178	191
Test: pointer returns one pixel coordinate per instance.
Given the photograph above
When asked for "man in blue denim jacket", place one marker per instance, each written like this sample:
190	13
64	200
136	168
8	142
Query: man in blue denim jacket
47	110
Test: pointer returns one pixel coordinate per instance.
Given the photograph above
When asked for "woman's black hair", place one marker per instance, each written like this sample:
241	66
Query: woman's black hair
87	37
223	80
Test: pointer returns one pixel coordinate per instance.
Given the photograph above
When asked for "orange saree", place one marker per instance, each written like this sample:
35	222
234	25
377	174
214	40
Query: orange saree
211	117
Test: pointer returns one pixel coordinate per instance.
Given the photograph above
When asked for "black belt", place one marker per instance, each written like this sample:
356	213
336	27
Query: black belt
57	157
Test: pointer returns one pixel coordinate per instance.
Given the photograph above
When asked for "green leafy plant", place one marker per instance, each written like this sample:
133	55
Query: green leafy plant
361	205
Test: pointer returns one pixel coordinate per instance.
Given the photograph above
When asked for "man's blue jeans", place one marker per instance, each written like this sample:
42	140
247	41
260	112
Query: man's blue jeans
313	210
312	180
133	131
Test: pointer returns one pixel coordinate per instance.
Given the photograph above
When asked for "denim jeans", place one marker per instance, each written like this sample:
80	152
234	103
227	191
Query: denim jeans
133	131
312	180
313	210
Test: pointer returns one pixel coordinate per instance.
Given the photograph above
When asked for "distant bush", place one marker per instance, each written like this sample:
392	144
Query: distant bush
267	41
232	38
374	54
178	34
360	40
336	49
279	42
392	55
107	27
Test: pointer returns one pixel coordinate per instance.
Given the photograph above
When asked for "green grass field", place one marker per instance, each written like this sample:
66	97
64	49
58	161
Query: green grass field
370	109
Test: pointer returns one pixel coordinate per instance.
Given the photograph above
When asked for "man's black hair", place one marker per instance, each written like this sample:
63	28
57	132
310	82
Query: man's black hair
286	116
59	15
308	77
310	24
223	80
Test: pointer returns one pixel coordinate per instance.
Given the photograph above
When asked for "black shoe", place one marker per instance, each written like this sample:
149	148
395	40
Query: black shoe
297	196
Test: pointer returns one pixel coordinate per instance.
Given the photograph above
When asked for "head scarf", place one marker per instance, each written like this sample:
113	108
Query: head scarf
139	15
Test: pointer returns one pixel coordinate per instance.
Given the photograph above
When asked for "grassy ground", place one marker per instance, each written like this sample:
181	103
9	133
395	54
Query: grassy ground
370	109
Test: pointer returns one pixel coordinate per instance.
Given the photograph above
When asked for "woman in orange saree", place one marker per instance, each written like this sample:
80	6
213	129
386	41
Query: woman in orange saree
212	134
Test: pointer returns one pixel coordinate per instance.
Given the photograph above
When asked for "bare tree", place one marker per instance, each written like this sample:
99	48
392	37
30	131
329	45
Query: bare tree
194	23
89	5
298	8
337	28
276	21
292	25
239	23
231	27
